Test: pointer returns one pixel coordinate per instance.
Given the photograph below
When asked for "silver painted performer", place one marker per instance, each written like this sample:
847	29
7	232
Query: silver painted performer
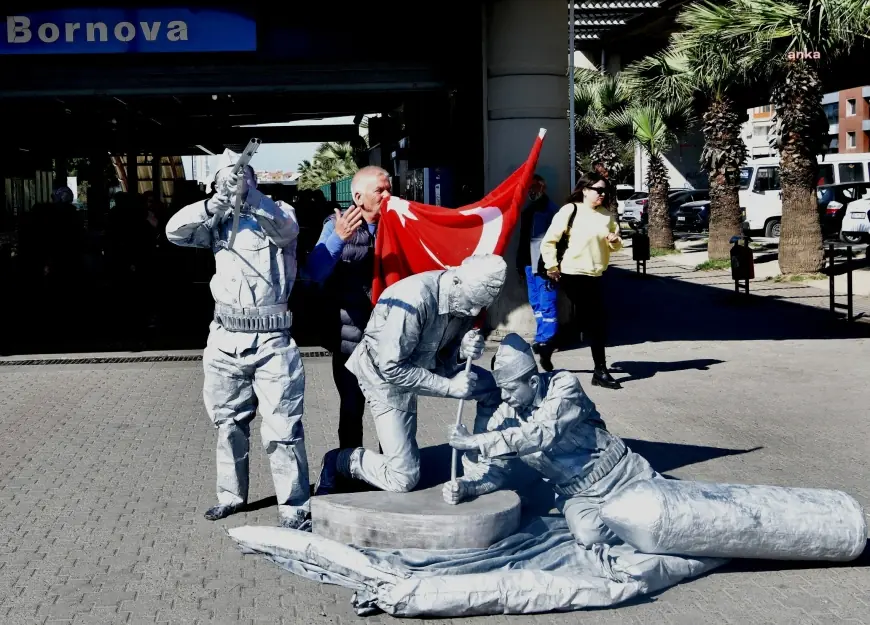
416	343
546	421
251	362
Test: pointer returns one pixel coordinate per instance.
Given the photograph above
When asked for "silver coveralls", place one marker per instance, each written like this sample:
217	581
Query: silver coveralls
256	365
564	439
410	348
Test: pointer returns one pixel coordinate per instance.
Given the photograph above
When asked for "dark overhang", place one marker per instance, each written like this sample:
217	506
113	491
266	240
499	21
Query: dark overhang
643	26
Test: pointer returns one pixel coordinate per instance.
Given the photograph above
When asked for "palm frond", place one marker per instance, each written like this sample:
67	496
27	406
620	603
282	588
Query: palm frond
665	76
653	126
761	33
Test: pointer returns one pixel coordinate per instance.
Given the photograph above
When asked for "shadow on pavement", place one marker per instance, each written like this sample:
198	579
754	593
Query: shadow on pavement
652	309
761	566
435	460
265	502
435	465
670	456
642	370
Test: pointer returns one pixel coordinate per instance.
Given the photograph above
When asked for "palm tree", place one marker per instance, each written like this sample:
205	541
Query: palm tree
654	126
597	97
701	68
761	34
332	162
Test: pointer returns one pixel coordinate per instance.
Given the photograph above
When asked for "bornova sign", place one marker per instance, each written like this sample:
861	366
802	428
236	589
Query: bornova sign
91	31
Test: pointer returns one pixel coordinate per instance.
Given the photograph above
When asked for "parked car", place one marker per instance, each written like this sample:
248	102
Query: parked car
693	216
623	192
855	227
635	209
834	201
632	207
678	199
761	189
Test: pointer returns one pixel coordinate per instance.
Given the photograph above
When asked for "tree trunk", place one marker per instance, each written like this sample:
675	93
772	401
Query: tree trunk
724	153
798	103
660	234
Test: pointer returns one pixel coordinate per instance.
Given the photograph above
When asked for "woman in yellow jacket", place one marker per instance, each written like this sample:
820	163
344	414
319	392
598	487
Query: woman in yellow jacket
592	236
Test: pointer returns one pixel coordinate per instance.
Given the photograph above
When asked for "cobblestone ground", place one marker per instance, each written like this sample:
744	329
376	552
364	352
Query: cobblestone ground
105	470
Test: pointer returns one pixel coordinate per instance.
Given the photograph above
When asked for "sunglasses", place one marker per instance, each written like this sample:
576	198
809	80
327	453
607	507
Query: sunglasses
598	190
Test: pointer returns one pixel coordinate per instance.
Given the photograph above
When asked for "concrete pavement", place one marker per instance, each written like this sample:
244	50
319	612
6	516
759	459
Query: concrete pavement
108	467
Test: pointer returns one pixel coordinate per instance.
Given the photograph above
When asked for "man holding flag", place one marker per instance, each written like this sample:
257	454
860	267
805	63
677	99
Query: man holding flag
436	269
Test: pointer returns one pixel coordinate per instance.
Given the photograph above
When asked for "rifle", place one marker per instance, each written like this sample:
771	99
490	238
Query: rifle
244	159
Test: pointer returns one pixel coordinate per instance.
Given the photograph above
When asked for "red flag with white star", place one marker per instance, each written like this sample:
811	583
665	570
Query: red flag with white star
414	237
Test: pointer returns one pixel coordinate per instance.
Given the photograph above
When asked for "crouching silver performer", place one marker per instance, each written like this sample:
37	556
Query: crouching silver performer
416	343
251	362
548	422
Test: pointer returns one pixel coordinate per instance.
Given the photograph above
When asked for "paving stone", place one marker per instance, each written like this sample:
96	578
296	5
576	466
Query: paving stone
105	471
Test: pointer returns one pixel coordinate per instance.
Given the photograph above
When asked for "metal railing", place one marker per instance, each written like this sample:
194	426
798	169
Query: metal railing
834	269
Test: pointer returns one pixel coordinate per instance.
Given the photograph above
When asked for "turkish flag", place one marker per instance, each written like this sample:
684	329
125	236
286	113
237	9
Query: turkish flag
415	237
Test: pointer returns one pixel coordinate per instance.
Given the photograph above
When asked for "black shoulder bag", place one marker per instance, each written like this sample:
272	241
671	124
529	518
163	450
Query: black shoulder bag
561	245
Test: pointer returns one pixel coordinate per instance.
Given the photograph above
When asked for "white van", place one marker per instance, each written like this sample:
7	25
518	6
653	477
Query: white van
761	191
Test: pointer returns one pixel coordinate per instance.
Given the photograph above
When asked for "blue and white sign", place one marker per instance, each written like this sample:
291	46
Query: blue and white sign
114	31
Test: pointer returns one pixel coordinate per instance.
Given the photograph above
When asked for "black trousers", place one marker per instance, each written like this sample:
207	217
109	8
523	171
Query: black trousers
353	403
587	295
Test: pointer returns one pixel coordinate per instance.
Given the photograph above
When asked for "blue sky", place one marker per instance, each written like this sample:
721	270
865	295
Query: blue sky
287	156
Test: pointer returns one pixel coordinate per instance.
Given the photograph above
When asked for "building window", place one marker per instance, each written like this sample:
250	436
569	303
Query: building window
851	140
834	147
850	107
760	131
832	113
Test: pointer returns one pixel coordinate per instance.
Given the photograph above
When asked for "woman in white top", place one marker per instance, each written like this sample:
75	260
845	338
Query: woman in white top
592	235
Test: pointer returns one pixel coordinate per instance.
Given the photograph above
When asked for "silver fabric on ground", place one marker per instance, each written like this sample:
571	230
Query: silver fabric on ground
738	521
540	569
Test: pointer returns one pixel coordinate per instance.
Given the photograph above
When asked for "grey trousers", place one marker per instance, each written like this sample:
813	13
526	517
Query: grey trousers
583	511
397	468
269	378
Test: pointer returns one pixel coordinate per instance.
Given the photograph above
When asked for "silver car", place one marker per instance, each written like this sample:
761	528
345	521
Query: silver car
634	207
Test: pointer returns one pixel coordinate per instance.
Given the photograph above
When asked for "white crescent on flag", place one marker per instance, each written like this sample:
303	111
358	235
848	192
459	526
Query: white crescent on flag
492	222
401	207
432	255
490	233
415	237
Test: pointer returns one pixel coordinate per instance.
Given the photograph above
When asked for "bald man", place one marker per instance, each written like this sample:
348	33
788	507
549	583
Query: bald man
343	261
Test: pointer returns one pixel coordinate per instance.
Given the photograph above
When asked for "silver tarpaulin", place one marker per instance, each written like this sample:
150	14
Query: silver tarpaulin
738	521
539	569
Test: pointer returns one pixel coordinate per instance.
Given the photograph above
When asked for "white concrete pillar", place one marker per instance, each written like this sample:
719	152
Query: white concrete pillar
526	89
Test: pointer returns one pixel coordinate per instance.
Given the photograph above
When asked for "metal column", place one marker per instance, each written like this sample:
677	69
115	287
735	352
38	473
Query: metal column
572	136
157	176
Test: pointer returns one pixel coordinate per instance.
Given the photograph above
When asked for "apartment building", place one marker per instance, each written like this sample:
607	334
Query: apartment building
848	114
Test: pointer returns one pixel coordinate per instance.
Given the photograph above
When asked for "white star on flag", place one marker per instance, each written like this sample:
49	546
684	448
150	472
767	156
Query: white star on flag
402	208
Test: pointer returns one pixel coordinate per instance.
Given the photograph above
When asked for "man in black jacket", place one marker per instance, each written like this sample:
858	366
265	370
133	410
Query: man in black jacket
343	260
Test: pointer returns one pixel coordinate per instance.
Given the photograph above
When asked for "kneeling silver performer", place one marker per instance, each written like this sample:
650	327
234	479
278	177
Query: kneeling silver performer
546	421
